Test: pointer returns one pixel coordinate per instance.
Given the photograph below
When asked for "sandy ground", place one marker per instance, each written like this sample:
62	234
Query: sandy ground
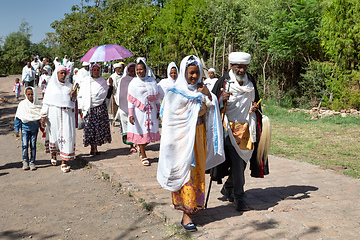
49	204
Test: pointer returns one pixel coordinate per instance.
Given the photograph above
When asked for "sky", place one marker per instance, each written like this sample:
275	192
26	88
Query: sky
38	13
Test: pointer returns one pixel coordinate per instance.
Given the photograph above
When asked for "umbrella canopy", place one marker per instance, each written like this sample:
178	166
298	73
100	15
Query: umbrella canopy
105	53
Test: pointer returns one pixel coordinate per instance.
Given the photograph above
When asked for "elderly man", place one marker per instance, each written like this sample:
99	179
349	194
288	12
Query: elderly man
238	96
28	75
116	76
83	73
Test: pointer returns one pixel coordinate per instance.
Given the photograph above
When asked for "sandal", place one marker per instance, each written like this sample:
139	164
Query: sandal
65	168
133	150
53	162
145	161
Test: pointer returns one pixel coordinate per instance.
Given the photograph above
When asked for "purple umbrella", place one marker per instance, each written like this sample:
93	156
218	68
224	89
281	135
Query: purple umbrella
105	53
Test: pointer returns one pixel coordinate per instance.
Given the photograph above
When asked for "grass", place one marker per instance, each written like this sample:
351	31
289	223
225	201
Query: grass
144	204
331	142
178	232
105	176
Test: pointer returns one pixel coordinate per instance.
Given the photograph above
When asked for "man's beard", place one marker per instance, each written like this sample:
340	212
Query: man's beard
240	77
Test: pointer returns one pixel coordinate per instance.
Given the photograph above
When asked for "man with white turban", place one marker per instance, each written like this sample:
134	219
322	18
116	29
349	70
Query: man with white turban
116	76
238	95
210	82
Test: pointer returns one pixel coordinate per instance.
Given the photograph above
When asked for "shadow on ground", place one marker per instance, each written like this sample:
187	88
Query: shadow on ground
23	234
257	199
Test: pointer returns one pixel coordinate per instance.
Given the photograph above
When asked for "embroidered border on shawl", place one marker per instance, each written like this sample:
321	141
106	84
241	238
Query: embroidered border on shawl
136	102
153	98
143	138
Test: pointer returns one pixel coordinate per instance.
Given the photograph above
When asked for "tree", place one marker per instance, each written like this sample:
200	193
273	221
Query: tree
340	32
16	52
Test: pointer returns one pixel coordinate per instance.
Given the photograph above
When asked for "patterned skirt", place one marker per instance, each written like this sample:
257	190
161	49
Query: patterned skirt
97	126
190	198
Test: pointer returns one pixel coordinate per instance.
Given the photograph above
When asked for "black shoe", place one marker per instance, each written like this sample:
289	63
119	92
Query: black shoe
189	227
240	205
227	195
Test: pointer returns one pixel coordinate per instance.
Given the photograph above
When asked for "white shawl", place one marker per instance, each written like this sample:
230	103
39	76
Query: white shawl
29	111
167	83
142	90
93	92
58	93
180	109
122	90
237	110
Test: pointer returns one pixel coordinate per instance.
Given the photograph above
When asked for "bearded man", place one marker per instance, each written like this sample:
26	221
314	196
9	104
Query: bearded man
238	95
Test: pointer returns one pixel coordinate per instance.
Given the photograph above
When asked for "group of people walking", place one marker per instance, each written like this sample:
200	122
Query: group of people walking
213	125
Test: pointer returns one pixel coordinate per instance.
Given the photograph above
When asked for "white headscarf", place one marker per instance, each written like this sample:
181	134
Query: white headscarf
29	111
58	93
168	82
122	90
143	89
180	110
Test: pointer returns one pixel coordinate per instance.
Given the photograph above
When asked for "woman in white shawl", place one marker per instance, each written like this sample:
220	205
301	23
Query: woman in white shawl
27	120
210	82
121	101
191	140
144	105
93	92
58	114
167	83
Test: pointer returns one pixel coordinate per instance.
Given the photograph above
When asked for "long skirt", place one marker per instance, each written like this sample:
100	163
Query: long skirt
60	132
97	126
190	198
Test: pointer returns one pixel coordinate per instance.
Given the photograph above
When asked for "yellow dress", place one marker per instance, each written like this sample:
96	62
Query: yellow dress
191	197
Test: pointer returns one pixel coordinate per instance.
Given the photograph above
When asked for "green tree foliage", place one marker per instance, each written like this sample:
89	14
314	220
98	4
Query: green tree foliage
340	32
16	52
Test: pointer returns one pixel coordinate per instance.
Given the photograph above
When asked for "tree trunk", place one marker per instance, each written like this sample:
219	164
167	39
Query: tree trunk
214	56
264	73
223	65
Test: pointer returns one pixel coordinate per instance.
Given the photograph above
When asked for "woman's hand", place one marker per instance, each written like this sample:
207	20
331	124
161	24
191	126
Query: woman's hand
201	87
43	120
17	134
73	95
132	120
111	81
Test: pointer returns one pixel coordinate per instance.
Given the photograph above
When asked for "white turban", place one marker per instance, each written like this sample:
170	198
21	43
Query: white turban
84	64
212	70
239	58
116	65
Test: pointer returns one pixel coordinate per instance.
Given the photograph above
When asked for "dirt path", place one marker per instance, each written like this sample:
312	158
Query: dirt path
48	204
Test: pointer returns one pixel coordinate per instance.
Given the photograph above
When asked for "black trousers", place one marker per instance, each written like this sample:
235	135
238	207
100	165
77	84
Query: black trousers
236	180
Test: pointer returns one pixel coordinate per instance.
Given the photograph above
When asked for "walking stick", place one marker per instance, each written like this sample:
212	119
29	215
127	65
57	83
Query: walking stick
222	120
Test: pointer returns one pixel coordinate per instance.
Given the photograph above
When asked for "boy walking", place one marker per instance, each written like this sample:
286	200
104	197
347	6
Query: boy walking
17	88
27	119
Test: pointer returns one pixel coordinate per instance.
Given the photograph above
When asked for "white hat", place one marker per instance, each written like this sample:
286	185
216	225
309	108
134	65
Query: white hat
116	65
212	70
84	64
239	58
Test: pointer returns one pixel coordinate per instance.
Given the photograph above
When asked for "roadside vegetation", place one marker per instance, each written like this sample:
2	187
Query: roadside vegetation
330	142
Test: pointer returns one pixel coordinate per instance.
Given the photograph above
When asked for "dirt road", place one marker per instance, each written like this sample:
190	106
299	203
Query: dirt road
49	204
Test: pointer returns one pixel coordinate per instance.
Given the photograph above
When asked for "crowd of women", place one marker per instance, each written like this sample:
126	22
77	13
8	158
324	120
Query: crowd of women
191	140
